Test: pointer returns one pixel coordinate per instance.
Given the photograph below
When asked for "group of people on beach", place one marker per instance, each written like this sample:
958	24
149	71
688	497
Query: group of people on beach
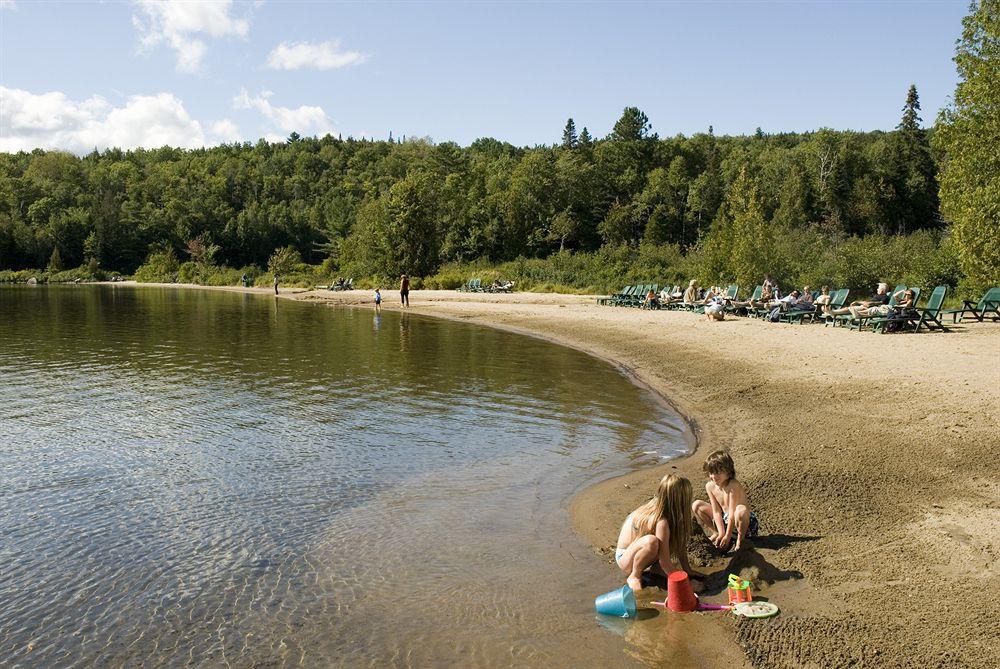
404	293
715	301
655	535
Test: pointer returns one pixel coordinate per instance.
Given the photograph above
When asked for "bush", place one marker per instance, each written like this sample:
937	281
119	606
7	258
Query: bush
160	267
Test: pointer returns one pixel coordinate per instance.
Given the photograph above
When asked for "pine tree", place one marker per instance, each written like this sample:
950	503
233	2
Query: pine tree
585	141
633	126
569	139
910	122
55	261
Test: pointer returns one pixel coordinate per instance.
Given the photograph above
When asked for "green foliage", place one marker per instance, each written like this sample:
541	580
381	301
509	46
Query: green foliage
55	261
284	261
968	132
160	267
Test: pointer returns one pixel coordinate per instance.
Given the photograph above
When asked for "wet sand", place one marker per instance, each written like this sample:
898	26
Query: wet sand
870	460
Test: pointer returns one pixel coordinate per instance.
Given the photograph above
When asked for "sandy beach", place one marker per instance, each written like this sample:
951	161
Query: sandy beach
869	459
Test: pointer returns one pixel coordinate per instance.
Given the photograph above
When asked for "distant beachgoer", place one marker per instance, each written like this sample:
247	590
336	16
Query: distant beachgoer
404	290
378	301
275	284
657	533
243	280
651	302
727	508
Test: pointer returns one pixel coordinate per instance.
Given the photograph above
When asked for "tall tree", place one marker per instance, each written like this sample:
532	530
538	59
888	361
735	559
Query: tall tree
910	123
969	133
569	139
633	126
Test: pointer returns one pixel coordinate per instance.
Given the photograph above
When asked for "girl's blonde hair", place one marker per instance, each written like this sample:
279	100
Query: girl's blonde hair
672	502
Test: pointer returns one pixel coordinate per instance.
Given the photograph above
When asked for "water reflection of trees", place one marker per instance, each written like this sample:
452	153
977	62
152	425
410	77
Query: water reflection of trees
238	341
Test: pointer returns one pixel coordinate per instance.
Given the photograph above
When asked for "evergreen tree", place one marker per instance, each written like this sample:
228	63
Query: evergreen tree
55	261
910	123
969	133
633	126
569	139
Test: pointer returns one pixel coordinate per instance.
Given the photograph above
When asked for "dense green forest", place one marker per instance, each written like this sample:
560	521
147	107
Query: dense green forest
826	206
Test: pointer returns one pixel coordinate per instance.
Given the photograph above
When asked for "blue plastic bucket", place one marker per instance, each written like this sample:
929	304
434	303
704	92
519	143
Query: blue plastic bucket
620	603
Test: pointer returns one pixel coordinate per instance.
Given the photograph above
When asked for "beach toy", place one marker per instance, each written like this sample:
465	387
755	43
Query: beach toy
702	606
755	609
680	596
620	603
739	590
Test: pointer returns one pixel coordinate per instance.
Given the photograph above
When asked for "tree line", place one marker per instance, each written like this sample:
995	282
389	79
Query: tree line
381	208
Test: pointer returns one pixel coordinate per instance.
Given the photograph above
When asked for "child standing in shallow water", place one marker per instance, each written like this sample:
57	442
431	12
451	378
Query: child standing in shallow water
657	532
378	301
727	508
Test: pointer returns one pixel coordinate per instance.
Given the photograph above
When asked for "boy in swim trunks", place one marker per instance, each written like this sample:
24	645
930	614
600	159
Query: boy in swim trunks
727	509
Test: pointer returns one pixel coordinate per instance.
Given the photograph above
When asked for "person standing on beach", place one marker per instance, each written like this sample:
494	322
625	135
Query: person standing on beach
275	284
404	290
378	301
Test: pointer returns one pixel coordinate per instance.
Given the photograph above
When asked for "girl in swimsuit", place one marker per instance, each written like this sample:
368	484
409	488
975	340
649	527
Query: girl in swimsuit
657	532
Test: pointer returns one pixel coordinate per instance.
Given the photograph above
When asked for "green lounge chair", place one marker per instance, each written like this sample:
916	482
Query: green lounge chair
928	315
848	319
623	298
609	298
860	323
989	304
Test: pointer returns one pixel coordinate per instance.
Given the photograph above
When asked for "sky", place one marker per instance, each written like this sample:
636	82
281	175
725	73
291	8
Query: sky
79	75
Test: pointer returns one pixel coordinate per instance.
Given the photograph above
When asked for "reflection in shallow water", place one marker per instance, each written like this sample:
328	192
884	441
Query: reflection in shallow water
214	477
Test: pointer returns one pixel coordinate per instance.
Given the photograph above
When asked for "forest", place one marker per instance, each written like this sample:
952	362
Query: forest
584	213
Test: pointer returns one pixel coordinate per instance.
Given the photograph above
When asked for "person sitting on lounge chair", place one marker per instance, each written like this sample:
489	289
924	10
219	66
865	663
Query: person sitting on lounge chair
879	299
804	301
665	297
823	299
650	302
690	296
883	309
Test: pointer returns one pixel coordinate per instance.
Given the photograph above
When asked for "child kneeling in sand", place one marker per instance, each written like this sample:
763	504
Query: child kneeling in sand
727	507
657	532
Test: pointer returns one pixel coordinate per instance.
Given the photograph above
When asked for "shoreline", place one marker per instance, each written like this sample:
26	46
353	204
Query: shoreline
872	478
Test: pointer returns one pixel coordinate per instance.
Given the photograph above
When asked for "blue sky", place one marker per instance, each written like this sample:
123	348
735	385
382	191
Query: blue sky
75	75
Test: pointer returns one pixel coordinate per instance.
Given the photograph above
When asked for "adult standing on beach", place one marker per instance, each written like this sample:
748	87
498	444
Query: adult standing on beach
275	284
404	290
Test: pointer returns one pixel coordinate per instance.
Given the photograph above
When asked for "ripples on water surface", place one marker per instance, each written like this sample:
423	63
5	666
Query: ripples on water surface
212	478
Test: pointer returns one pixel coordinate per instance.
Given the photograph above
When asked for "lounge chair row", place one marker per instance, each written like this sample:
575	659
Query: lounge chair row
476	286
347	285
916	318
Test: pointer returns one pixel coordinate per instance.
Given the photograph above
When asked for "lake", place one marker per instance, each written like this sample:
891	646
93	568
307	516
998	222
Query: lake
212	478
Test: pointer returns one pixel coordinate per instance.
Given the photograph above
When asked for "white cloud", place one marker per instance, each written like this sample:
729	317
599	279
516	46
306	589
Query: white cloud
323	56
225	131
8	4
178	23
53	121
305	120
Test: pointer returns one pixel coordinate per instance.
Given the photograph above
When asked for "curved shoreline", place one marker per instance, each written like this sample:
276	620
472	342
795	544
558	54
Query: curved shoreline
851	449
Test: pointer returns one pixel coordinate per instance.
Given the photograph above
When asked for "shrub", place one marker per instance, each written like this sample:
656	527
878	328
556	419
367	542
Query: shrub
160	266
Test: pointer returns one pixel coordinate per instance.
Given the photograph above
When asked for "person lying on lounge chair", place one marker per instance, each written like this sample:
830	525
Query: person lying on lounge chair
903	300
879	299
823	299
665	297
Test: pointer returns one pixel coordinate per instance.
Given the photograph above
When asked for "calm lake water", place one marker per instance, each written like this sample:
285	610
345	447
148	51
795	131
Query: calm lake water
206	478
